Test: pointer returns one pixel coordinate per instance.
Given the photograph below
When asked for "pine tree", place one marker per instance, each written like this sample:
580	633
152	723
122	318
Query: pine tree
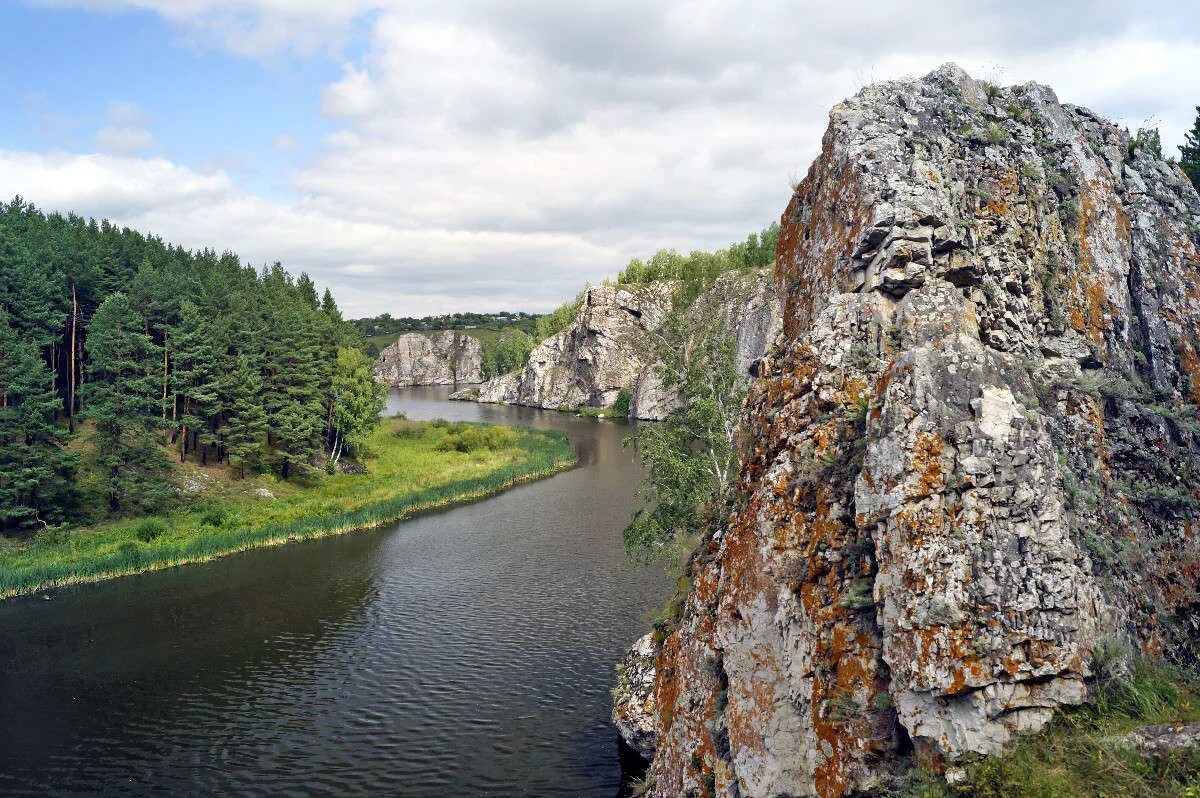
195	379
121	397
36	471
330	308
247	419
297	367
1189	152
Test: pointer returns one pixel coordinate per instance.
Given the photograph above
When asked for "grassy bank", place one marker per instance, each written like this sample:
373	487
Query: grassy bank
414	467
1081	753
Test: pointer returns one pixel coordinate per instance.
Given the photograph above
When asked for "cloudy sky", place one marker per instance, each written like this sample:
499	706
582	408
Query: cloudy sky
429	156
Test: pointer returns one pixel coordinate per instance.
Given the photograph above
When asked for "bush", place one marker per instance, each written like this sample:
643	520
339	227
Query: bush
213	516
469	439
621	405
151	529
403	428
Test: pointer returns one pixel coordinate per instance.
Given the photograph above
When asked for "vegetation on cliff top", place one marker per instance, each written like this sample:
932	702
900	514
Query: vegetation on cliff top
409	467
1189	152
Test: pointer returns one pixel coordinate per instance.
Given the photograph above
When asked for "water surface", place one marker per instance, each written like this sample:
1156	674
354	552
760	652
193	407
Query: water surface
468	652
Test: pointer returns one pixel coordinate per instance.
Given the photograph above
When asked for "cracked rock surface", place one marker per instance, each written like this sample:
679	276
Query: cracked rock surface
972	453
609	345
442	358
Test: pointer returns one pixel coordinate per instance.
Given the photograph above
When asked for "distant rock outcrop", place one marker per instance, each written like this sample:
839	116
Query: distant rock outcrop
972	454
447	357
610	345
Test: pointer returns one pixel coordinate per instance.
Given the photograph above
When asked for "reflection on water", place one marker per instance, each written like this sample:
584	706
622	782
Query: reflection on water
464	653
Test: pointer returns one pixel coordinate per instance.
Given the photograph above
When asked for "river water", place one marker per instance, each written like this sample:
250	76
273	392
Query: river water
463	653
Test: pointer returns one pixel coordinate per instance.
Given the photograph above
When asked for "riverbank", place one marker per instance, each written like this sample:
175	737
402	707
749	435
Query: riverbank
414	467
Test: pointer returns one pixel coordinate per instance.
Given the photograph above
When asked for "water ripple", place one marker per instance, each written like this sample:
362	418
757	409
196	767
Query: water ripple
465	653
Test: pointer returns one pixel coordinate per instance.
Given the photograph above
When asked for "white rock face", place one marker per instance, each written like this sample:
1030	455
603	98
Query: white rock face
443	358
610	345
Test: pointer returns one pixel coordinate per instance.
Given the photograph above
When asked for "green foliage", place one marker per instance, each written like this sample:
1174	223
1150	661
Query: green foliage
121	399
405	475
357	401
996	134
36	470
1189	152
1080	753
384	326
151	529
472	438
507	352
157	346
699	269
690	458
247	421
1147	139
558	319
620	406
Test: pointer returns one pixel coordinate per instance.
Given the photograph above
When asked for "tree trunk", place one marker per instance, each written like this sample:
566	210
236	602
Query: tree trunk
164	391
183	444
71	369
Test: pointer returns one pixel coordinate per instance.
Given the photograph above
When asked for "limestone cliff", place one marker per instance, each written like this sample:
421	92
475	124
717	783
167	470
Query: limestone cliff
971	454
447	357
609	345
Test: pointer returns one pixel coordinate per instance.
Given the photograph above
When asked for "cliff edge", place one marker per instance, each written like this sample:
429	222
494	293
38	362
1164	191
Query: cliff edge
971	455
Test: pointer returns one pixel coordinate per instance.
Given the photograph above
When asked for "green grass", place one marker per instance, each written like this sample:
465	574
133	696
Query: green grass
414	467
1078	754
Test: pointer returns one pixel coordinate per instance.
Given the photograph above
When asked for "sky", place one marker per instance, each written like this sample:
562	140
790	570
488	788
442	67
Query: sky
434	156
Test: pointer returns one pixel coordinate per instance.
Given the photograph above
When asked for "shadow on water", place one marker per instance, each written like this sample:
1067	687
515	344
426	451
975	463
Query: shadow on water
464	653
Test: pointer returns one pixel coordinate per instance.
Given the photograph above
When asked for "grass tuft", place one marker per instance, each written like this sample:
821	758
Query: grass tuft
1081	752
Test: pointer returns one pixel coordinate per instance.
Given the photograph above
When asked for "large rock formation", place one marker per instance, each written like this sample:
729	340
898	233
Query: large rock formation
971	455
610	345
447	357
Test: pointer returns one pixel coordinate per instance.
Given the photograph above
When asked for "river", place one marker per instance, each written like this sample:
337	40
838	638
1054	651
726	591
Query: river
468	652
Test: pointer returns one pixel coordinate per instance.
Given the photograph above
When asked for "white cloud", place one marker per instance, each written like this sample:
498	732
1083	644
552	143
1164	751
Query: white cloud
353	95
125	133
499	154
123	140
369	264
284	143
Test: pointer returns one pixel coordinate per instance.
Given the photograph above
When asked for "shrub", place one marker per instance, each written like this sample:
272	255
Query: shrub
996	134
150	529
475	439
213	516
621	405
408	429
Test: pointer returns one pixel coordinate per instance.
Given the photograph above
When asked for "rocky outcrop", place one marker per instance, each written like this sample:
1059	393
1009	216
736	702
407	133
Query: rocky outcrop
610	344
598	354
447	357
633	698
970	456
